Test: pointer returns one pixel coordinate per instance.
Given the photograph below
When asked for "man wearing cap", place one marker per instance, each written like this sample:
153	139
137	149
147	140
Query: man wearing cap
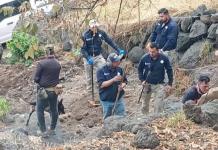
165	32
151	71
111	80
47	78
197	95
194	93
91	49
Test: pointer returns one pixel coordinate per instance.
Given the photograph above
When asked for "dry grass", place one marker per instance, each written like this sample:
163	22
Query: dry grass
182	81
108	13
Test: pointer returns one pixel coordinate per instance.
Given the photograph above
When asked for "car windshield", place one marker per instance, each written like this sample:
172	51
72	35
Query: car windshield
10	8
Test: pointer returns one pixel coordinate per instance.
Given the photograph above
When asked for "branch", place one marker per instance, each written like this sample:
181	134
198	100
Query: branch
90	11
121	1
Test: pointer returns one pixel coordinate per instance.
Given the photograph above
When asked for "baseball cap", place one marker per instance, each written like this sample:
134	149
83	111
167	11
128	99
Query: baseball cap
93	23
204	78
113	57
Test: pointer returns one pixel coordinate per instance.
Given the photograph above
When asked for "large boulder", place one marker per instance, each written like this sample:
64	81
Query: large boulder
186	24
183	42
145	139
212	31
200	10
135	54
214	18
206	19
209	12
192	56
206	114
198	30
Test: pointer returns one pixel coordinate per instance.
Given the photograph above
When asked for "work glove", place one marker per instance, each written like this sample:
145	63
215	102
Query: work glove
90	60
122	53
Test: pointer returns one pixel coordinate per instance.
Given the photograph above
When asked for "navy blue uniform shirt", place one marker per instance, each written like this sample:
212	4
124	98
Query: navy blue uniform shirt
92	44
153	71
165	35
106	73
191	94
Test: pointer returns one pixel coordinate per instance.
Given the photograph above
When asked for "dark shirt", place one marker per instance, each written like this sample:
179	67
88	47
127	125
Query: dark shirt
92	44
106	73
47	72
153	71
191	94
165	35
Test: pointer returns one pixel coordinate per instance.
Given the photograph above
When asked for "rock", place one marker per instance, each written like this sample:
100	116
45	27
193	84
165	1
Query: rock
210	111
192	56
91	124
186	24
215	127
177	20
193	113
206	19
135	54
67	46
136	128
198	30
183	42
104	133
145	37
79	117
209	12
214	18
114	123
200	10
145	139
212	31
132	127
210	70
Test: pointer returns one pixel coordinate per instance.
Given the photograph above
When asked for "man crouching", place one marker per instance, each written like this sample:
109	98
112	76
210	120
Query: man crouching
111	79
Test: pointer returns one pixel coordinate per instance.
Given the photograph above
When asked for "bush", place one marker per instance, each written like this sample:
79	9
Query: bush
24	48
4	107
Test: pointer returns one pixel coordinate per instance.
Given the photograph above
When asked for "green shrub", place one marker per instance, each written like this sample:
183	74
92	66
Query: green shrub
4	107
24	48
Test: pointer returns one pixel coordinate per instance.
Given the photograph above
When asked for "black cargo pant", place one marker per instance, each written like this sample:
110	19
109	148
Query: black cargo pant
52	102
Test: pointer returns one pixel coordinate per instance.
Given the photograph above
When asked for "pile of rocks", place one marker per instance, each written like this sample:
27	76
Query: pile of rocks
197	31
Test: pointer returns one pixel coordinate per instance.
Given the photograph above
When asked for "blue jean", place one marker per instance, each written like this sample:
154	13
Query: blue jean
108	107
52	102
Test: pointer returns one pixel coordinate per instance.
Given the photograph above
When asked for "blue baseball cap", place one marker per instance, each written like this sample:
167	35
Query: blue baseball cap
113	57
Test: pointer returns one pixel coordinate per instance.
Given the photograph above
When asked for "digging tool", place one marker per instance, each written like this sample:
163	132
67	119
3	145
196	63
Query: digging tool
143	87
118	93
92	72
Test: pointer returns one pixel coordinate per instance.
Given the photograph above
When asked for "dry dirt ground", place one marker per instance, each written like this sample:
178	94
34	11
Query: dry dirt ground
76	127
18	88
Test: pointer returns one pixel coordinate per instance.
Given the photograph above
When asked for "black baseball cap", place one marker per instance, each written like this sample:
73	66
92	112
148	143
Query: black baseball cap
204	78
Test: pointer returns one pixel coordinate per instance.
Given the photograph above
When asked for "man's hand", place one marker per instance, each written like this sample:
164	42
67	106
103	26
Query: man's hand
121	86
144	83
117	78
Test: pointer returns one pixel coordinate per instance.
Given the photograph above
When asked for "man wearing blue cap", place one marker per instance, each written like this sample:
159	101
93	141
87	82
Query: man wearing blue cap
92	50
111	80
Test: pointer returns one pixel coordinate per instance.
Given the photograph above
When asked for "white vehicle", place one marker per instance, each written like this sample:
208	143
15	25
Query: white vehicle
8	22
